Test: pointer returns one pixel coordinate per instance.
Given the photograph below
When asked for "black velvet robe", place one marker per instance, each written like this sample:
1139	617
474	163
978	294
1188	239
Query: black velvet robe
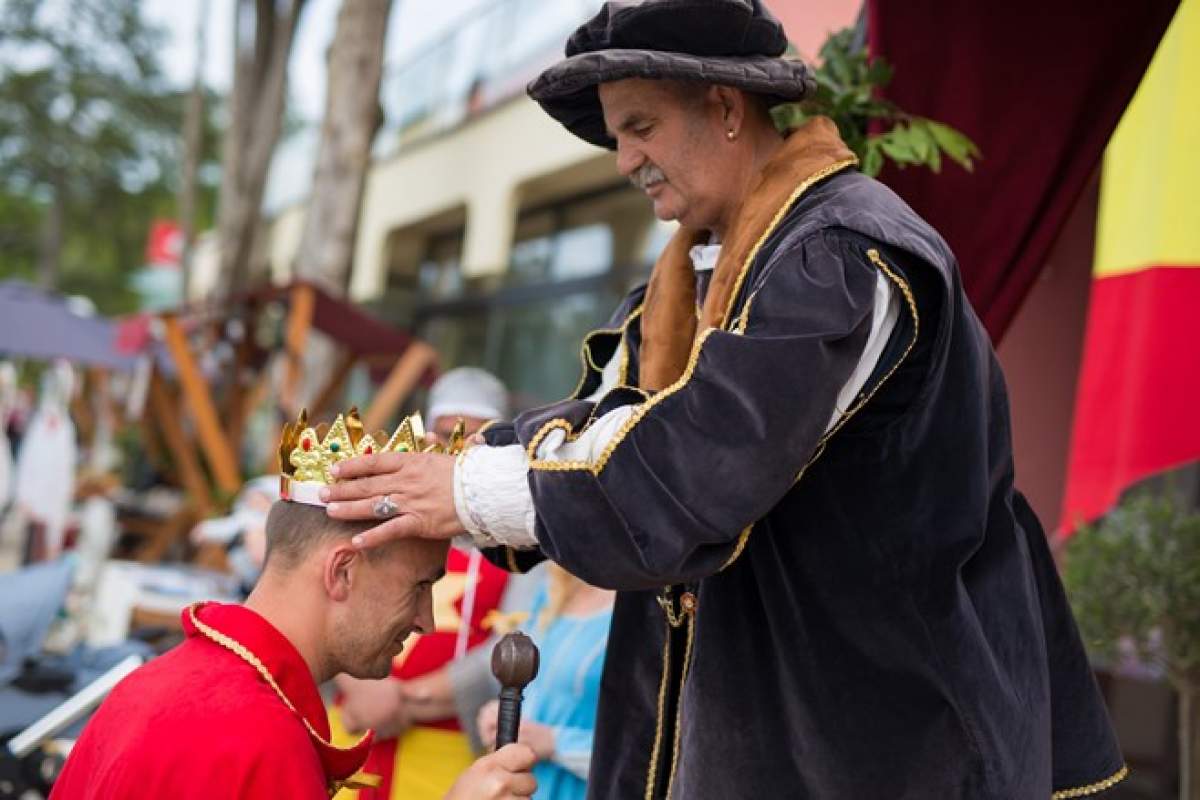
870	612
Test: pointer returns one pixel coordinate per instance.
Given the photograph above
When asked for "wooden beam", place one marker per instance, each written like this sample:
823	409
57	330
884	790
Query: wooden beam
300	316
213	441
103	397
183	455
379	359
254	398
333	386
399	384
81	410
108	410
236	407
152	448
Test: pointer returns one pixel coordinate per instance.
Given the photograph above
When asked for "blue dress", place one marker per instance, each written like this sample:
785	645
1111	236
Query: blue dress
564	695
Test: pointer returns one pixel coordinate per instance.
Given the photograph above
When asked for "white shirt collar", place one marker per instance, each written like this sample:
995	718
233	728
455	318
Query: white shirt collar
704	256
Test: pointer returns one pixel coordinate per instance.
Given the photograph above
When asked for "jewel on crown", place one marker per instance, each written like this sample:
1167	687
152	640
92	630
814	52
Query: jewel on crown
306	453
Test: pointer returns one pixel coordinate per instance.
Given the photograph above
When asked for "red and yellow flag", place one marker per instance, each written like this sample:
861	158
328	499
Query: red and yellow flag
1136	408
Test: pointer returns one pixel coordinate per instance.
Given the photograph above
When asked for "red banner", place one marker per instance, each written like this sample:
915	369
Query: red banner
164	246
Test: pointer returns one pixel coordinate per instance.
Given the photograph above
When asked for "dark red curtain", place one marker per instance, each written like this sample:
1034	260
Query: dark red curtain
1039	85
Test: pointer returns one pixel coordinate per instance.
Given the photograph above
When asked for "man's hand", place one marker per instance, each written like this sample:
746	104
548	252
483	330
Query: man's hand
503	775
378	705
539	737
420	484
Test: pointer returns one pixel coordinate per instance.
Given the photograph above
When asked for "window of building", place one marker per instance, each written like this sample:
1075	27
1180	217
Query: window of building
539	344
582	251
439	274
571	262
533	247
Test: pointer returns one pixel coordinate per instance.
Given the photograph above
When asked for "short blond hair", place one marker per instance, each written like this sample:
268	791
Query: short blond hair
295	529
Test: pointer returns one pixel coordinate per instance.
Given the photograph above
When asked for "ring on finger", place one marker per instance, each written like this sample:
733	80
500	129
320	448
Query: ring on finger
384	507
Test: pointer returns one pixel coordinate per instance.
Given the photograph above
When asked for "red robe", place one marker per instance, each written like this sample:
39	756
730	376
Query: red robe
203	722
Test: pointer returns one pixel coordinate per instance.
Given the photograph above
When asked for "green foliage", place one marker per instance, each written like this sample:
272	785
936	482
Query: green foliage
1135	577
87	119
83	96
848	84
20	217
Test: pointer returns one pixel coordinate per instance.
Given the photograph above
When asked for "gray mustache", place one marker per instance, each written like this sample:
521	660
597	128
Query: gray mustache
646	175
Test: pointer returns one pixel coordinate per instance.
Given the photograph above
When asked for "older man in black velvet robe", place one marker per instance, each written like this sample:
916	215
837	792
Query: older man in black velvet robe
790	452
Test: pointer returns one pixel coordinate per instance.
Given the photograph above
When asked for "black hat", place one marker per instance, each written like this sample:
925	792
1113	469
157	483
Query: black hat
735	43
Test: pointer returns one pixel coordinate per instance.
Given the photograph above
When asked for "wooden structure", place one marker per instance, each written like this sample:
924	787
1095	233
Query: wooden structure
193	423
204	454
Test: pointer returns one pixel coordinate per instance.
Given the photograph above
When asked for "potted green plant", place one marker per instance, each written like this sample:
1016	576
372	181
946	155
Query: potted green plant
1134	582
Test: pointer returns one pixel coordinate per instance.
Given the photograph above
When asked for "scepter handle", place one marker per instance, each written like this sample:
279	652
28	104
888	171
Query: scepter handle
508	719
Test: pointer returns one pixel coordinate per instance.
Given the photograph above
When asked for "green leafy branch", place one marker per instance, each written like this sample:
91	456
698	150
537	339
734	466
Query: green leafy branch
848	84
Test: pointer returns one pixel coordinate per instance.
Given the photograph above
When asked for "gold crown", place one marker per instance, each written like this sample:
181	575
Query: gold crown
307	453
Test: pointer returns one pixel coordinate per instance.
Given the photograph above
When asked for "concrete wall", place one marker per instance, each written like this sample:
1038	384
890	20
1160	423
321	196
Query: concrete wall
808	24
483	166
491	165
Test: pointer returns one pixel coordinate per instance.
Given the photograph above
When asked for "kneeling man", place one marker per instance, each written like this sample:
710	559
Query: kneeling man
234	711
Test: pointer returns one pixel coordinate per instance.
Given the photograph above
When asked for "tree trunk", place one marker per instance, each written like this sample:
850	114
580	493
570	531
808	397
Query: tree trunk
193	132
1189	741
352	118
51	241
263	34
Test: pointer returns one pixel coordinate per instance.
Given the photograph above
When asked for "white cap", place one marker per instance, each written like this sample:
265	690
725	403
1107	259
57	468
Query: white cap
468	392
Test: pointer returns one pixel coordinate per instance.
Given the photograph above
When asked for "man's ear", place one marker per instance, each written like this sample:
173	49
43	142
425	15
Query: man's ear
733	106
338	571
